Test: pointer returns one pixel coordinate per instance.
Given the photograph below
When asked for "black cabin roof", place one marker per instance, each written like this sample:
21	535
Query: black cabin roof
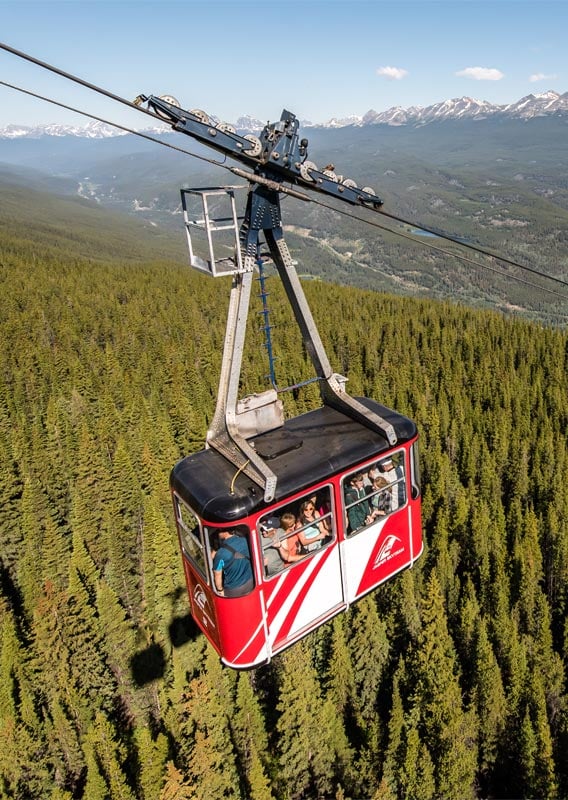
303	452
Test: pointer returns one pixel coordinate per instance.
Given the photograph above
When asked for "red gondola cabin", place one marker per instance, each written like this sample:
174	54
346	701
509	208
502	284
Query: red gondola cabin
368	529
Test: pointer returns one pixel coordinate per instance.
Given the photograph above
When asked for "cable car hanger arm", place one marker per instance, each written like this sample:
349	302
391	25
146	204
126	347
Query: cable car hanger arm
278	153
229	432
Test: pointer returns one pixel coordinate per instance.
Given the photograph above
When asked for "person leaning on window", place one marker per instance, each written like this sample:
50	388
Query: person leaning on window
291	549
313	529
232	569
380	502
395	476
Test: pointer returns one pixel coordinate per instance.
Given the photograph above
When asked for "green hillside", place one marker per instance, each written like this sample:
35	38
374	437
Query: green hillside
449	681
54	223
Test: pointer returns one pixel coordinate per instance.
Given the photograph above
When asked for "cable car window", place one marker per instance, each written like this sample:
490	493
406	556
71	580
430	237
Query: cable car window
191	536
293	531
374	492
233	574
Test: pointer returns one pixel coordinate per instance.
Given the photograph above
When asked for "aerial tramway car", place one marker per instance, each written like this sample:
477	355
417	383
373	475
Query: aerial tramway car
325	506
316	457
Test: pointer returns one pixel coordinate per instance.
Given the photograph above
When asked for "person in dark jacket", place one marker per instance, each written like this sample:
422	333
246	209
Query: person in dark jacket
357	503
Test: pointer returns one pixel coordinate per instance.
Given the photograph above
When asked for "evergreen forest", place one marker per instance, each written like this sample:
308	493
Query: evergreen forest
447	682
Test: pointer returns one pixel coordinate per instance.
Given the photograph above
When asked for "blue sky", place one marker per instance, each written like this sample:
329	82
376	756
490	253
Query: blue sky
318	58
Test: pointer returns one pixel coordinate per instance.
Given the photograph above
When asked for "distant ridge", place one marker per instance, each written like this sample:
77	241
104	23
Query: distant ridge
533	105
546	104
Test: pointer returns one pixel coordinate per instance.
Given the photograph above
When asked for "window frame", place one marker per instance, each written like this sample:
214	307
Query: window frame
187	537
415	475
243	531
399	458
293	507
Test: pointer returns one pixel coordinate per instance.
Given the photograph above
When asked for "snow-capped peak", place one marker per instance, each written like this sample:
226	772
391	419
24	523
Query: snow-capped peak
533	105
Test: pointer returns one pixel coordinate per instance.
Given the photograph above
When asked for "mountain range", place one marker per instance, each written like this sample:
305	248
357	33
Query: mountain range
533	105
546	104
495	176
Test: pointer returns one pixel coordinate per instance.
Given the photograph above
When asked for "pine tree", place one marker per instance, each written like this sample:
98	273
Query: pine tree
176	786
392	765
524	780
23	762
109	754
442	720
11	488
51	656
152	754
87	664
55	551
117	643
417	773
60	794
369	648
340	683
306	755
65	750
207	755
544	782
490	703
29	564
251	740
89	495
166	574
58	455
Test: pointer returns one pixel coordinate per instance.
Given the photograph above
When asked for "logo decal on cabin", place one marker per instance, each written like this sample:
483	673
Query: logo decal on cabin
387	551
201	601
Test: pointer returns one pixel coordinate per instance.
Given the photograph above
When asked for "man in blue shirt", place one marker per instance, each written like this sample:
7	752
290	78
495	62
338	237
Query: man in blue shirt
232	569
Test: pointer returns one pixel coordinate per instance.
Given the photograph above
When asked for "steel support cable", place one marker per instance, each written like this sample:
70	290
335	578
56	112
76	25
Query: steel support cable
122	100
114	124
235	170
315	201
474	247
75	79
455	255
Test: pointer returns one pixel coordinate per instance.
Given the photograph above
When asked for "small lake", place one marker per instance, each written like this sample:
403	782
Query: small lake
418	232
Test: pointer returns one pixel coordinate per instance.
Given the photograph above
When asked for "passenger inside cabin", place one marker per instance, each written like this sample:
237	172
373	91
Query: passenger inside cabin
271	537
358	512
323	509
279	542
380	501
312	530
394	473
291	550
214	542
232	568
372	473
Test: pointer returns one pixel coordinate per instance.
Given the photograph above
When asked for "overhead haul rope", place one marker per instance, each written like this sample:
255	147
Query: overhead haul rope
456	255
252	177
73	78
115	124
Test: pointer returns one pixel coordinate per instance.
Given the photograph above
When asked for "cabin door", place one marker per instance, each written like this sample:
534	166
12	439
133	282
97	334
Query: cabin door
303	596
